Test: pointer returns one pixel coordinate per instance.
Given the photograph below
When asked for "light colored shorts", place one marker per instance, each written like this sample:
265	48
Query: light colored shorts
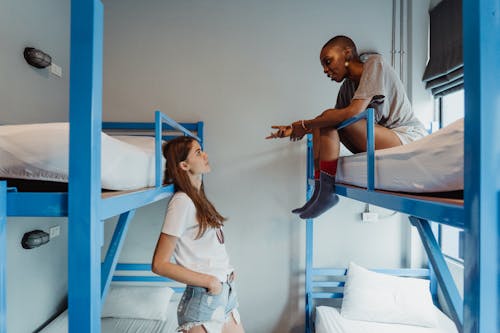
407	134
198	307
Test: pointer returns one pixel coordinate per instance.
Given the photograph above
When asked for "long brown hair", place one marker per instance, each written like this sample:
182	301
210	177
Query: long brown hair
176	151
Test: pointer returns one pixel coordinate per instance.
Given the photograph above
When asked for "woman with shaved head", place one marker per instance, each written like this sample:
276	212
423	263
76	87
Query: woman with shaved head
369	84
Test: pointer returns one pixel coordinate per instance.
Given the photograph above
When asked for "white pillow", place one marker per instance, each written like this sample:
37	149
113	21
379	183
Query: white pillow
138	302
377	297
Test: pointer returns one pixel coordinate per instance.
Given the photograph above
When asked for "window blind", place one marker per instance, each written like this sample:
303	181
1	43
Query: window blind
444	72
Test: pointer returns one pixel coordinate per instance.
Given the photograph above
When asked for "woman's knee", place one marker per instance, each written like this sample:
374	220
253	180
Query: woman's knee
328	131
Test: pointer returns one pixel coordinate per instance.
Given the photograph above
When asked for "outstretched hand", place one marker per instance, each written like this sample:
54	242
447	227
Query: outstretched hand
298	131
282	132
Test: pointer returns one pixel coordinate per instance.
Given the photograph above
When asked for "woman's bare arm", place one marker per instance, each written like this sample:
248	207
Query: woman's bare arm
162	266
333	117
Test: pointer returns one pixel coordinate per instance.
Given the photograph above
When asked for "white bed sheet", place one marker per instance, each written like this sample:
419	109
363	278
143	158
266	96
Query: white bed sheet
329	320
431	164
40	152
120	325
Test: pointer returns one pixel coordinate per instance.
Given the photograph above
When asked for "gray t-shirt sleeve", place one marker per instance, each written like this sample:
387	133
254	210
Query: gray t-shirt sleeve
380	85
371	84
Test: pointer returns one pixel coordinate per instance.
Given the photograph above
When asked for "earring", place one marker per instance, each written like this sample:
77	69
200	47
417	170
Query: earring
346	64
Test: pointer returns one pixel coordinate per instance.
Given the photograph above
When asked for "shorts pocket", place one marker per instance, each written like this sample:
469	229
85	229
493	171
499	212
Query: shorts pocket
185	301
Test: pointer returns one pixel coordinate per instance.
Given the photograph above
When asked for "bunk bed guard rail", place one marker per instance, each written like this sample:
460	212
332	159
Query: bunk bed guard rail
369	115
161	119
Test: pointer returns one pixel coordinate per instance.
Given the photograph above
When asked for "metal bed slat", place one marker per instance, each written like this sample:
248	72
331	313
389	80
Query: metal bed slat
436	210
118	204
145	126
37	204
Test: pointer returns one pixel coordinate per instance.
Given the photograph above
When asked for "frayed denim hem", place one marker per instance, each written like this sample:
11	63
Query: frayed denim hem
188	326
211	326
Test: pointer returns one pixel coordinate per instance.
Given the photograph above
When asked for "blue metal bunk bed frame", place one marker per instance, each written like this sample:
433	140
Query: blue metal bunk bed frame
109	204
83	204
479	216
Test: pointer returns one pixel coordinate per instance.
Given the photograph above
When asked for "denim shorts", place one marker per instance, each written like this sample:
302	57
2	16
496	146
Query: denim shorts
198	307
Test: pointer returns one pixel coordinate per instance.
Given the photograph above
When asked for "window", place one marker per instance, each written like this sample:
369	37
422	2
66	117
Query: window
451	240
452	107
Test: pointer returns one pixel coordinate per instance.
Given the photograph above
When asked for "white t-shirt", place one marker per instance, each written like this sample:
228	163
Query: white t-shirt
205	254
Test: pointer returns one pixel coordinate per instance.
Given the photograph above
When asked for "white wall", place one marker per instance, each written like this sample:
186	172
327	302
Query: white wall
241	66
29	94
36	278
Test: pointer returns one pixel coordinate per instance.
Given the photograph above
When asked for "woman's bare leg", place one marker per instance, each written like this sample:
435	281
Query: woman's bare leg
316	139
329	144
316	147
196	329
354	137
325	198
232	326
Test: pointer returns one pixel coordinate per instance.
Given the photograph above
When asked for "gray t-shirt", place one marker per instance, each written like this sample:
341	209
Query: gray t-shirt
380	84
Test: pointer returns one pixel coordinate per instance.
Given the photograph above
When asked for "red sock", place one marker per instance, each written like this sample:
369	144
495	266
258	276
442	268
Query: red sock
316	174
330	167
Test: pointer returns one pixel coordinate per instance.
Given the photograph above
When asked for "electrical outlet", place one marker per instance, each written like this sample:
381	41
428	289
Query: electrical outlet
369	217
56	70
55	231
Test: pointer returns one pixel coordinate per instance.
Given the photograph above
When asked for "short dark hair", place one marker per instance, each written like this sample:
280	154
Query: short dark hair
343	42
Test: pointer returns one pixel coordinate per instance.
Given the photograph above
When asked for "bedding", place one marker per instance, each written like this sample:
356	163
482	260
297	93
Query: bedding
137	302
329	320
372	296
131	320
431	164
120	325
40	152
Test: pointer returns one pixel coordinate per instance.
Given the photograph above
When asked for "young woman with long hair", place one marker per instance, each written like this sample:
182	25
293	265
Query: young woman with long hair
192	233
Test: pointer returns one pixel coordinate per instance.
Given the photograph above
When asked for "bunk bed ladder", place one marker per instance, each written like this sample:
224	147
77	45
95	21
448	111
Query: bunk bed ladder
3	256
443	275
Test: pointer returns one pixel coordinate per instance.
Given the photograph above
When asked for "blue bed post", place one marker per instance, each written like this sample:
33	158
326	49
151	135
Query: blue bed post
309	238
3	257
85	116
481	26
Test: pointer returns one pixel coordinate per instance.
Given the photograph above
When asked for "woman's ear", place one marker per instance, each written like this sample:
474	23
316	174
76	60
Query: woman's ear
184	166
348	53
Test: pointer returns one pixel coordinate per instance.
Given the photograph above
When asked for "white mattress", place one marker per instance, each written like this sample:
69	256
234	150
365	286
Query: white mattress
431	164
40	152
120	325
329	320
